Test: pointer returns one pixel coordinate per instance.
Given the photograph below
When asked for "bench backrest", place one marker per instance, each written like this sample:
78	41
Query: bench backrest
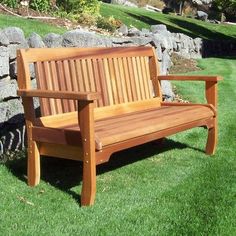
122	74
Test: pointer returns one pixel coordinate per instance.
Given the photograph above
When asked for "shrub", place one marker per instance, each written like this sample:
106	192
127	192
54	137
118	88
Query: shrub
10	3
78	7
109	24
87	19
40	5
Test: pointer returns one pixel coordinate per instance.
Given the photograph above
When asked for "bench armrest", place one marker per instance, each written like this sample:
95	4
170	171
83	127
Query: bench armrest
205	78
210	84
83	96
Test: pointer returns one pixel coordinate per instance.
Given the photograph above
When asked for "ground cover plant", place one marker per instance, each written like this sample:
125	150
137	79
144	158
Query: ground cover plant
147	190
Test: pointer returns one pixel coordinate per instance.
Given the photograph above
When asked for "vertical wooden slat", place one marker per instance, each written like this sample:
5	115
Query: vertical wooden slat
150	85
68	83
118	81
122	78
74	83
85	75
102	80
136	81
62	85
58	102
40	77
132	80
113	80
127	79
49	86
79	76
154	72
97	81
91	76
146	78
108	81
140	78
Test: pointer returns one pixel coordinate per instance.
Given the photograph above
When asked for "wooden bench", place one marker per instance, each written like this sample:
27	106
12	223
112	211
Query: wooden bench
97	101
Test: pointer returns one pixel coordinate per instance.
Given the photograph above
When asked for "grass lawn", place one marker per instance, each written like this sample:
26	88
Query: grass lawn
175	190
29	26
137	17
142	18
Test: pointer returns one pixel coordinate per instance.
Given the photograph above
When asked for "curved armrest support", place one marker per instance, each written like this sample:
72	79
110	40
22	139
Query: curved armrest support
81	96
210	84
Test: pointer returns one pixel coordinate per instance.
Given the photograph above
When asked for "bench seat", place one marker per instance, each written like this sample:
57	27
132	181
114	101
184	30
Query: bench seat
127	126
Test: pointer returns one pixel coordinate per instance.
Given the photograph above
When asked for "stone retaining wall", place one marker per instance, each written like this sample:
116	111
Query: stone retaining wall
12	130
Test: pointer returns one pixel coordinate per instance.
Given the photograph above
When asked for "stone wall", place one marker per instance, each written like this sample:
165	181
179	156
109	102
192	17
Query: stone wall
12	130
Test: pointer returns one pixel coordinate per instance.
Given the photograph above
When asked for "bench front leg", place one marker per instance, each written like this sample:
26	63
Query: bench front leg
211	97
86	122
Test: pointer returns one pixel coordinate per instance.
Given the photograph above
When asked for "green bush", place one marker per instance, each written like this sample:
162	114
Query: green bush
87	19
109	24
40	5
10	3
78	7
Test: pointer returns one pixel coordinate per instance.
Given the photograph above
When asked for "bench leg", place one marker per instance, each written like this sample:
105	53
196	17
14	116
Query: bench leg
89	183
33	168
212	139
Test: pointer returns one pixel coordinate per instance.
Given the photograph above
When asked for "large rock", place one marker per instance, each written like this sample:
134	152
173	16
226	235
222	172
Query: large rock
15	35
3	111
16	40
141	41
78	38
8	90
167	91
52	40
158	28
4	41
133	32
166	63
15	111
201	15
35	41
123	30
4	61
164	40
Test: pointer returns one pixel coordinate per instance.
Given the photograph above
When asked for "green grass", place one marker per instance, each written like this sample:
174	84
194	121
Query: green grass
29	26
137	17
142	18
175	190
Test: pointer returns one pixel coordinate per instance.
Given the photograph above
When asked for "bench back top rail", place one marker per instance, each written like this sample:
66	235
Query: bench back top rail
121	75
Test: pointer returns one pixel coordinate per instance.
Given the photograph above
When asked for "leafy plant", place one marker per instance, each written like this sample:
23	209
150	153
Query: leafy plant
40	5
87	19
10	3
78	7
109	24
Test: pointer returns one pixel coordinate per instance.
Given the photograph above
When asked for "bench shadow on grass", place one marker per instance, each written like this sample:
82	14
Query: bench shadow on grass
190	28
66	174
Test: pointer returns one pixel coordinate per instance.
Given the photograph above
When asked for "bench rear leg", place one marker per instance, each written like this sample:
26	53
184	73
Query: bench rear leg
212	139
89	182
33	168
